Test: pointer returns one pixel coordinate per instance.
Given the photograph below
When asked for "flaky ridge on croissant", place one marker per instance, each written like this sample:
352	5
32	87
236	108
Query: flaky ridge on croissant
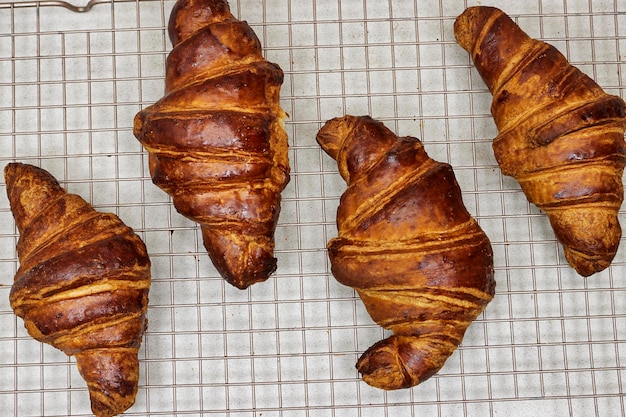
406	243
560	135
82	284
216	140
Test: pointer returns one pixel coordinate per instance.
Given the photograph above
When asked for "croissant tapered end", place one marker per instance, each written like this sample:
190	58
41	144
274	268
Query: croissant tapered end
403	362
189	16
468	25
28	189
241	259
112	377
585	264
330	136
469	32
367	137
593	251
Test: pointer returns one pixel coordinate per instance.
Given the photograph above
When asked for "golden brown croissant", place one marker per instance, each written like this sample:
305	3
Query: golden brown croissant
420	263
82	285
216	140
560	135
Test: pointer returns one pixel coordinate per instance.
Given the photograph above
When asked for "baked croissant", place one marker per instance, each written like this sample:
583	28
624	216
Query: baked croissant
216	140
82	285
560	135
406	243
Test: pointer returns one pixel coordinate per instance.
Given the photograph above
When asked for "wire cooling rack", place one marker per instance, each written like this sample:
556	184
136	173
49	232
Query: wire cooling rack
551	343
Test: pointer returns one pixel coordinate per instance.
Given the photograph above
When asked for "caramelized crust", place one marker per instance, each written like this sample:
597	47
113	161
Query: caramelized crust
560	135
406	243
82	285
216	140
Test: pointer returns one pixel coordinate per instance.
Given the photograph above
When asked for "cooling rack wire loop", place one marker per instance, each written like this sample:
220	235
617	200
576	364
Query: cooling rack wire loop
58	3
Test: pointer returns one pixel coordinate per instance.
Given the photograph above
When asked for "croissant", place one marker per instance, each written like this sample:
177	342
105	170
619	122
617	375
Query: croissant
82	285
560	135
406	243
216	140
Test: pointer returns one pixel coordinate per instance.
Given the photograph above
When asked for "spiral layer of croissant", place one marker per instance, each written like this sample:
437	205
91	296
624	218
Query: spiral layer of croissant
216	140
82	284
560	135
406	243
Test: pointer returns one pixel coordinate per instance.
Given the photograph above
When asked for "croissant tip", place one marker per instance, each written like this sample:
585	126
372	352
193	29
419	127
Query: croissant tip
381	367
476	12
259	270
11	170
138	123
103	410
38	184
16	170
587	266
243	283
468	23
241	259
188	15
10	167
9	173
112	378
332	135
329	138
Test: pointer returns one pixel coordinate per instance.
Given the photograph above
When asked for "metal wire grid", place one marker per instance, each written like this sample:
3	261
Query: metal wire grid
550	343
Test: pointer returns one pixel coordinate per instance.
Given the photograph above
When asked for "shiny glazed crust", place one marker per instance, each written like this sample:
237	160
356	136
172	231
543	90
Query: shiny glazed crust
406	243
82	285
560	135
216	140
